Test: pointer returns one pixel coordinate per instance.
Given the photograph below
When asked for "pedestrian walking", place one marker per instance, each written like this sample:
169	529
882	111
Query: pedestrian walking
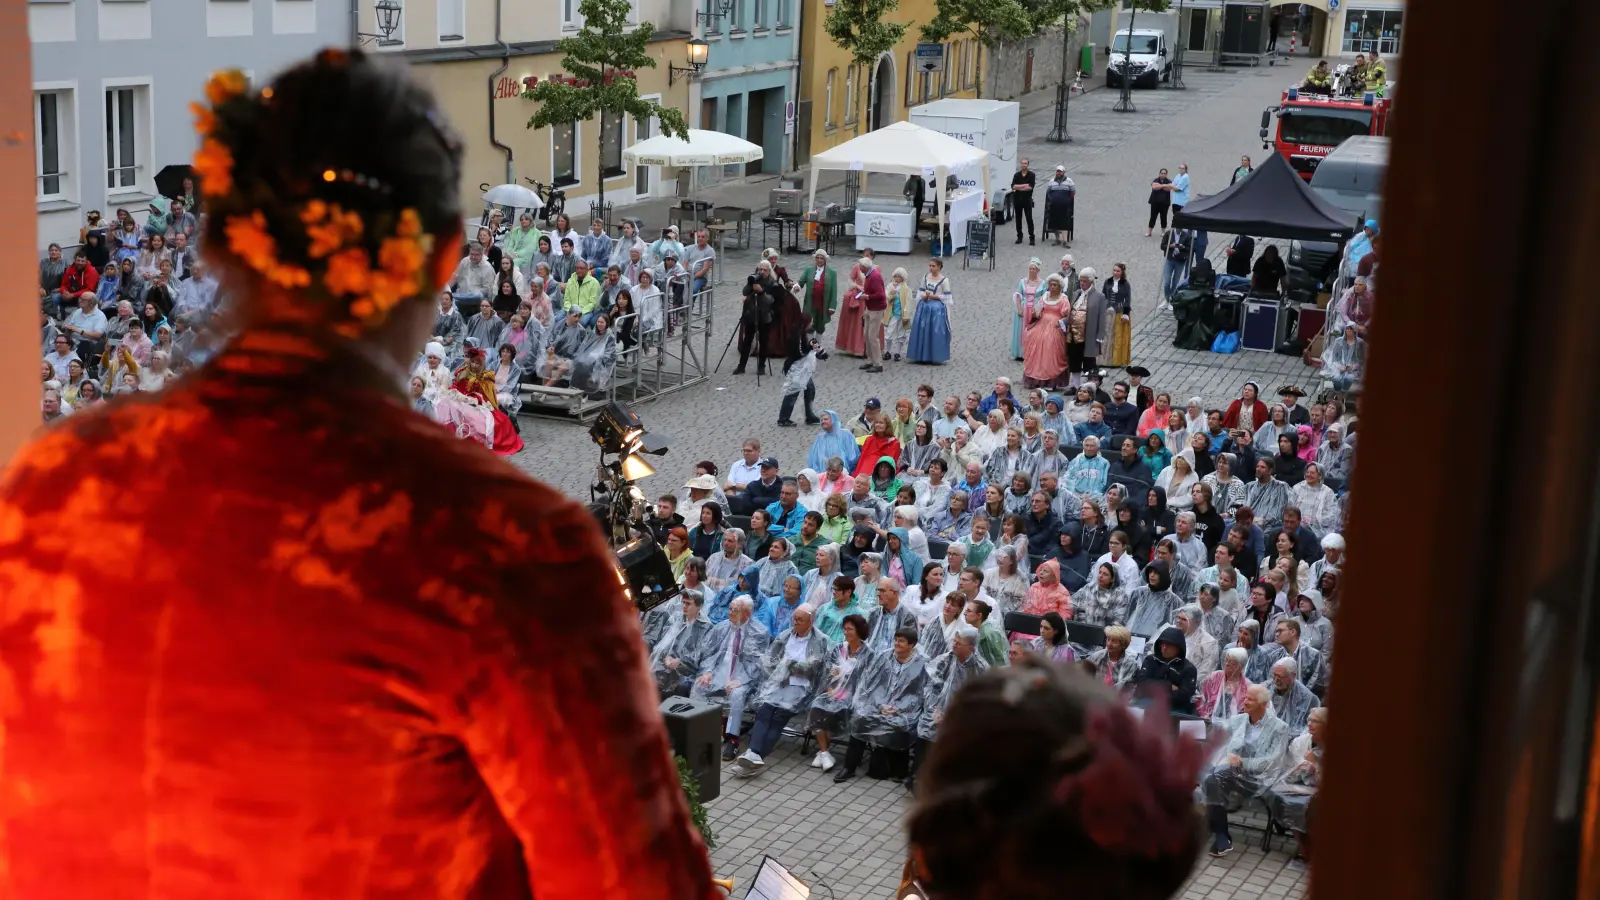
1160	202
1022	198
799	379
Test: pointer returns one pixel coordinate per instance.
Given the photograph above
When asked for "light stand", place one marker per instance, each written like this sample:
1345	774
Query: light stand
616	501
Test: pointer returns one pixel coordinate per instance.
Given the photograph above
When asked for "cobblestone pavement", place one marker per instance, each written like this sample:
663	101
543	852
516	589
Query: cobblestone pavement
849	837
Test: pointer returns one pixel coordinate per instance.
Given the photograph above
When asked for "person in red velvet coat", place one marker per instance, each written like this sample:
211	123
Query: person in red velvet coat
876	300
318	647
1247	412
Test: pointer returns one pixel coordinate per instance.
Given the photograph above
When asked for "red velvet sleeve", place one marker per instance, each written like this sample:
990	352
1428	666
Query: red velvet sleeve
562	723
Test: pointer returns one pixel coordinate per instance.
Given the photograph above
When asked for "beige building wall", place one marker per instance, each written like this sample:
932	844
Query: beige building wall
461	71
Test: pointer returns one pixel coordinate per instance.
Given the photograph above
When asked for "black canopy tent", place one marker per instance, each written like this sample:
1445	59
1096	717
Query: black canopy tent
1273	202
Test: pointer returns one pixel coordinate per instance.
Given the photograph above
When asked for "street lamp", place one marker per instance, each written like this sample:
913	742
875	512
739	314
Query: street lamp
723	8
698	52
387	15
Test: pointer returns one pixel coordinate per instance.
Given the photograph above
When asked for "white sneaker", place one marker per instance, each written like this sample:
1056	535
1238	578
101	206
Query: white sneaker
739	768
1166	306
816	761
827	761
751	757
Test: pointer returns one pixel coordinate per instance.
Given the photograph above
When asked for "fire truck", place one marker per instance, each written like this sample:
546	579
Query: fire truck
1310	126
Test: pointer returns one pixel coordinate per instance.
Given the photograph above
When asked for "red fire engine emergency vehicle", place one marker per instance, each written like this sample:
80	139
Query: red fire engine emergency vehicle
1311	125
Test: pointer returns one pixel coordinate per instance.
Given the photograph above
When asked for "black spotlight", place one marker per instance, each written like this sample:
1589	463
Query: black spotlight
646	574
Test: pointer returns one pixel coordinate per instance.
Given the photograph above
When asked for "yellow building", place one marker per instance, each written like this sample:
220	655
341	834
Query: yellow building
477	55
839	100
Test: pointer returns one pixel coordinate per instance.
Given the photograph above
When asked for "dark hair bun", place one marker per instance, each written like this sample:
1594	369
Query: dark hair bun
348	130
1038	750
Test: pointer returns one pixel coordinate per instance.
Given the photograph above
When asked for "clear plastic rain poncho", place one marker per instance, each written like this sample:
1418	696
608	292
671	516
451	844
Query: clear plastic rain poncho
1152	607
884	624
735	653
675	655
934	641
595	362
888	699
794	670
1095	605
1262	756
947	675
844	672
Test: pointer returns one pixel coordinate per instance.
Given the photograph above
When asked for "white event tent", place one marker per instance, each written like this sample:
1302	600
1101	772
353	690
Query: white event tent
904	149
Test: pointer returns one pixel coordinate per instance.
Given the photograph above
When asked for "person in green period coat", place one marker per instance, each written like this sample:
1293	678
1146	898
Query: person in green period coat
819	292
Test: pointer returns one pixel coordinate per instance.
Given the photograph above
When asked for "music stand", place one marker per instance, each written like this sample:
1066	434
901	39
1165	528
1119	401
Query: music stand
774	882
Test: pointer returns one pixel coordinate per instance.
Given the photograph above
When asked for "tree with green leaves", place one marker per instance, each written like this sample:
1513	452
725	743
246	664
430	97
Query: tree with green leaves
600	60
857	27
991	22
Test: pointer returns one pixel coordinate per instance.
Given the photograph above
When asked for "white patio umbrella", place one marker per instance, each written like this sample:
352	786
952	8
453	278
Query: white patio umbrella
703	148
513	195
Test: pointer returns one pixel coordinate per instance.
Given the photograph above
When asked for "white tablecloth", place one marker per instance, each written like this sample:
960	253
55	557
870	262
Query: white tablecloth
964	205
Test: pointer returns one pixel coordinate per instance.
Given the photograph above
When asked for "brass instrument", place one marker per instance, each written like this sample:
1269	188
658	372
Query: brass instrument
725	885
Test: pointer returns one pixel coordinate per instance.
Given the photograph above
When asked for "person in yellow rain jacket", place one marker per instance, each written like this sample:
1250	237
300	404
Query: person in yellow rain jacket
1377	74
1319	80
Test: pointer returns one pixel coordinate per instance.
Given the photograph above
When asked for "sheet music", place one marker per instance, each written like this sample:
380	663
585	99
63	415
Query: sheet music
1192	728
773	882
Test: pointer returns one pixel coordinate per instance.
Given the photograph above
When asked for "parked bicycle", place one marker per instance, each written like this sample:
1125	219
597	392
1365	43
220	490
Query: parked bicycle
555	199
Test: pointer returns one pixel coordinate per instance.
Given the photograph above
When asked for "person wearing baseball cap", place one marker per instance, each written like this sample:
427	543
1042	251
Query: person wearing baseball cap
871	412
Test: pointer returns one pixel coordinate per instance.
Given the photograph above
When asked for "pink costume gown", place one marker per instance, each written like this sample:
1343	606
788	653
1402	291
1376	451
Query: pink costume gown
1044	344
849	338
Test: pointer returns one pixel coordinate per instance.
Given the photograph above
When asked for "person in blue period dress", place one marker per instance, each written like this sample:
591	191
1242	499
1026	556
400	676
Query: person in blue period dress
930	326
1027	291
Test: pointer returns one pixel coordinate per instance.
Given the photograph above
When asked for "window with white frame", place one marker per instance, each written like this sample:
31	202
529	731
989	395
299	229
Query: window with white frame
736	16
759	20
53	146
127	136
564	154
611	151
780	13
570	17
827	102
849	95
452	21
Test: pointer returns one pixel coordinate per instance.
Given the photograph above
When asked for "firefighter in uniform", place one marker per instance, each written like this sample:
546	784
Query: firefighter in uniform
1377	74
1319	79
1356	79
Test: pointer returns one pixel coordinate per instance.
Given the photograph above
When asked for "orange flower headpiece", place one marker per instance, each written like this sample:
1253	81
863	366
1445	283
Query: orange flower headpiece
367	265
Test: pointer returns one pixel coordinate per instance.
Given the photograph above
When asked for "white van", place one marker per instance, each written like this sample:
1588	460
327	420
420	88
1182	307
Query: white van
1145	52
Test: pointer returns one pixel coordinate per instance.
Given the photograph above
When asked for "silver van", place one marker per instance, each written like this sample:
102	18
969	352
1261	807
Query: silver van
1351	178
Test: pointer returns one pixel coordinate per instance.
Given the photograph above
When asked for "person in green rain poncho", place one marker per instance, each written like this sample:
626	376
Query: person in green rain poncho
885	478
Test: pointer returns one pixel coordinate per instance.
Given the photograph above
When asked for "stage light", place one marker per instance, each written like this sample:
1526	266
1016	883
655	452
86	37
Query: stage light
635	468
647	574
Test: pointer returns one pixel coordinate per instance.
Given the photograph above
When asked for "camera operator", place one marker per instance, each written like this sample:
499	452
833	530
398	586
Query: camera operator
758	316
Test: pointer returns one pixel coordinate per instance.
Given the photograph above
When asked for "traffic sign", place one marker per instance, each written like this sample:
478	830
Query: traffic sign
930	56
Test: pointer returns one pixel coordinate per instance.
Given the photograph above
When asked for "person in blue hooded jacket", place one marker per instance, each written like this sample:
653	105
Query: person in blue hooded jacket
900	562
747	583
777	612
833	440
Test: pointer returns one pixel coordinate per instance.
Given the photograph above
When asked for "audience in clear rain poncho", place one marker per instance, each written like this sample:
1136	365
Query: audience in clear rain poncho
1203	555
1201	577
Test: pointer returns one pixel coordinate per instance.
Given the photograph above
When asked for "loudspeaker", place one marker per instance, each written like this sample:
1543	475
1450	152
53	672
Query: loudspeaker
695	729
1260	325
